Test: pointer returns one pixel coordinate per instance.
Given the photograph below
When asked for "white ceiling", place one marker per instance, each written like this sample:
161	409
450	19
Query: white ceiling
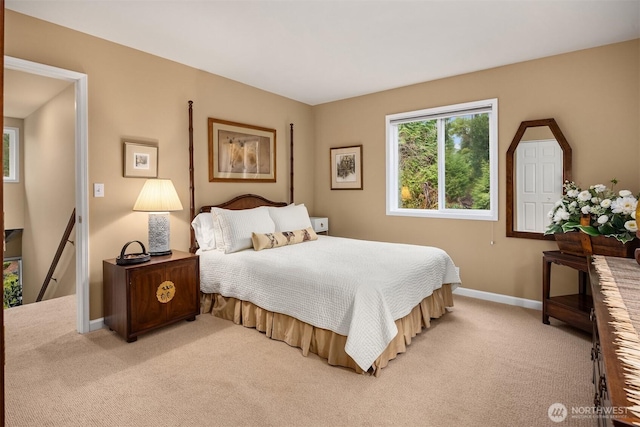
24	93
320	51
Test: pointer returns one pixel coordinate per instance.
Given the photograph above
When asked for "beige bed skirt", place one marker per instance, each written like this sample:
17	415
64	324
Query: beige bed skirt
325	343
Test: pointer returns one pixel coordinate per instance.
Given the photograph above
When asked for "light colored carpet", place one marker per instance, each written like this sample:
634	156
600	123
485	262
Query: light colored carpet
483	364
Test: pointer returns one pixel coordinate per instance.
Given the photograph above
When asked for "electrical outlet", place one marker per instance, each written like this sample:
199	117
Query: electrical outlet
98	190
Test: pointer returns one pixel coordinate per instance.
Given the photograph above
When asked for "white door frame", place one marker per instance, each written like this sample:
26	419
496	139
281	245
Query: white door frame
81	177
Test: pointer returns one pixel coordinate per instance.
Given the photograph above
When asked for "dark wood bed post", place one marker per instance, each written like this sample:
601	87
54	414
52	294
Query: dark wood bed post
192	208
291	189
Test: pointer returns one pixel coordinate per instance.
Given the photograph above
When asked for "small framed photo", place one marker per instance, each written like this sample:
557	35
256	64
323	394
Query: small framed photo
140	160
346	168
241	153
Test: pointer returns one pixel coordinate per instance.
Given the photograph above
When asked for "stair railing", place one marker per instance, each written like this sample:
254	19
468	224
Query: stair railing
56	258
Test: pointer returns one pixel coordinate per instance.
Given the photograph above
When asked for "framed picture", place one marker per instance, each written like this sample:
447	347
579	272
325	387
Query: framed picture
241	153
140	160
346	168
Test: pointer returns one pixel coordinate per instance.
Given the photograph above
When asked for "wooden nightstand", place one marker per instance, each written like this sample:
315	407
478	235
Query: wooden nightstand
142	297
320	224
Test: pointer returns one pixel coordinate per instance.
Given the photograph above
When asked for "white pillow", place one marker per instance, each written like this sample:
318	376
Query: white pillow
203	229
291	217
233	228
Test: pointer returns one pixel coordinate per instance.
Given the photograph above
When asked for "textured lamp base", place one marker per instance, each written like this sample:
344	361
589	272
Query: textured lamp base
159	234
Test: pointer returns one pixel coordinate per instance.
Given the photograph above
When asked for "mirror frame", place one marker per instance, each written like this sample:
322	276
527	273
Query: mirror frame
566	173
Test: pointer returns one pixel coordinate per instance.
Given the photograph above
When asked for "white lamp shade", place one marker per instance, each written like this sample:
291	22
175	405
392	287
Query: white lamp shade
158	195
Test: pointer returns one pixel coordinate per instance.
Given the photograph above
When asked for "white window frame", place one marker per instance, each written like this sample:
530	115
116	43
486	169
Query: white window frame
14	153
392	122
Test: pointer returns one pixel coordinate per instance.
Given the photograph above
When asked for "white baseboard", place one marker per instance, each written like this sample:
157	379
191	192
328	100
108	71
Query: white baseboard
96	324
503	299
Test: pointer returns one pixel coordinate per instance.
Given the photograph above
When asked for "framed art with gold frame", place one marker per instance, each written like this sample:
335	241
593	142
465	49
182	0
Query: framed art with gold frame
241	153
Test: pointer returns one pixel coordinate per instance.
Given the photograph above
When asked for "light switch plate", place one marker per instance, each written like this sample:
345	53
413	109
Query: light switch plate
98	190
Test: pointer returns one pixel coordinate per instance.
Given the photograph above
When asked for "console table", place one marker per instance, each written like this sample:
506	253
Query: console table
571	309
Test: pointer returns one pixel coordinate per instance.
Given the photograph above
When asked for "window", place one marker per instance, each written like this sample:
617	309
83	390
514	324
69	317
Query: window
443	162
12	282
10	153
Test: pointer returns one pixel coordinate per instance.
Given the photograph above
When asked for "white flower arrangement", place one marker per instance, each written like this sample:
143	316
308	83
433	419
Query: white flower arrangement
610	214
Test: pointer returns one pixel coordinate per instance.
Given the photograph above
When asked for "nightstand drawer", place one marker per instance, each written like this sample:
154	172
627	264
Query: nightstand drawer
319	224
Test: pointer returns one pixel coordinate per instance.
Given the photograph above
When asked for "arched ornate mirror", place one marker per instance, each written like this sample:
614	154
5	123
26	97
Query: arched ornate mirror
538	163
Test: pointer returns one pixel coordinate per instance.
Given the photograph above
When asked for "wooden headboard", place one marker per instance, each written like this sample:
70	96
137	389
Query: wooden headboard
245	201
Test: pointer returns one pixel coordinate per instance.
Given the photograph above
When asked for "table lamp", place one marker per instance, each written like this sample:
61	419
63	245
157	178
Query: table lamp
158	197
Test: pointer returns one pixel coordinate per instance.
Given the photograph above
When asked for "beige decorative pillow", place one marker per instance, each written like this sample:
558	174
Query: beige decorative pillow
283	238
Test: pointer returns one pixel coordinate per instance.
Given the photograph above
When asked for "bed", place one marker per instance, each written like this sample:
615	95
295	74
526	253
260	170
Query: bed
355	303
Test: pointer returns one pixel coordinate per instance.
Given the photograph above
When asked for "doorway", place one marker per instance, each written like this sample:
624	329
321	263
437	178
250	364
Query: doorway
81	240
538	183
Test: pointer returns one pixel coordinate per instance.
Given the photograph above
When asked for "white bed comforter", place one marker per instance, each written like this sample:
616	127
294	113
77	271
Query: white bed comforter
355	288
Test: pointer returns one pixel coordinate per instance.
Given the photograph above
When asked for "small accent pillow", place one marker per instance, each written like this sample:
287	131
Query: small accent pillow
290	217
233	228
203	229
275	240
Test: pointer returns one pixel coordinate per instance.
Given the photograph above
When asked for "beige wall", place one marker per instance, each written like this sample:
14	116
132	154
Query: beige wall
13	194
139	96
49	176
592	94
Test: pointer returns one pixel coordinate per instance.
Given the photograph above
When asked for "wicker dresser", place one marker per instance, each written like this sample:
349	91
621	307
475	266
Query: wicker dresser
615	285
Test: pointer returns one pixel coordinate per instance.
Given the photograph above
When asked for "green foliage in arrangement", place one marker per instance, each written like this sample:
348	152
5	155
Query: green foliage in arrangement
609	213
